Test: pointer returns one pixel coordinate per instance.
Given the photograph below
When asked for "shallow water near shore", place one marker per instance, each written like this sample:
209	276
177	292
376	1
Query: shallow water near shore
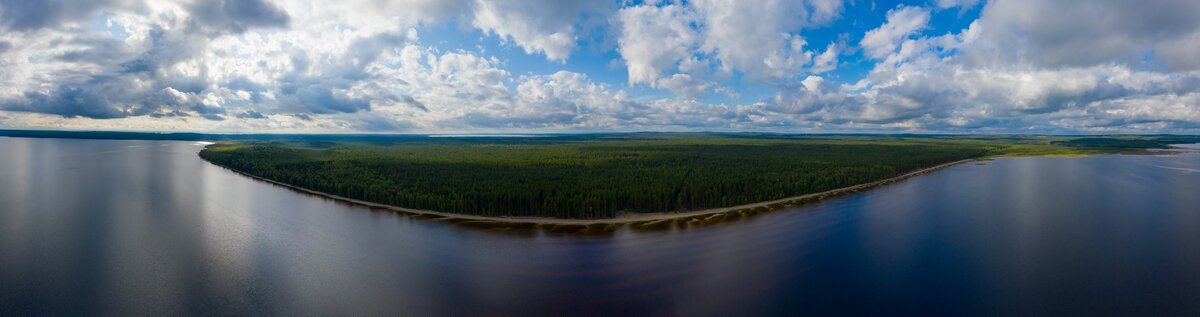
148	228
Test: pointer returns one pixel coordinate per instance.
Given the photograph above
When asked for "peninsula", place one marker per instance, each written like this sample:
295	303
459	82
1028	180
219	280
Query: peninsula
646	179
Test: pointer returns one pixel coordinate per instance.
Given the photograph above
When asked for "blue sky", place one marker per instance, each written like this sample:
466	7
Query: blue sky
599	59
487	66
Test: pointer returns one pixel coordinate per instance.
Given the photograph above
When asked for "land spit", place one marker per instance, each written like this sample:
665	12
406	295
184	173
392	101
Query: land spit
637	221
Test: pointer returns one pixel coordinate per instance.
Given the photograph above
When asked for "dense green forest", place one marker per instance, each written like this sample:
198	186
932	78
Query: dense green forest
600	176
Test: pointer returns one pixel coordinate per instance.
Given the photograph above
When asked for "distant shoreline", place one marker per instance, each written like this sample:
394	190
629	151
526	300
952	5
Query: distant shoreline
706	216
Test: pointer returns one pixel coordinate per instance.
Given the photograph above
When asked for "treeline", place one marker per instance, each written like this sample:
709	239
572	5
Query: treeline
582	178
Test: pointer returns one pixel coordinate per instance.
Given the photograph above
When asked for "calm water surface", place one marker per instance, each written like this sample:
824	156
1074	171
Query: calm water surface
147	228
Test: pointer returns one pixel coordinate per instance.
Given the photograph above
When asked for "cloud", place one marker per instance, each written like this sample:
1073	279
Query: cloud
25	15
812	94
827	61
964	81
964	4
87	74
238	15
106	98
196	50
1064	34
655	39
685	86
409	100
368	65
251	114
324	84
548	27
699	42
759	39
901	22
68	102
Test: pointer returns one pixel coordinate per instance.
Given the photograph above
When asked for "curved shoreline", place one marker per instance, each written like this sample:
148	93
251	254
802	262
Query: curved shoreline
705	216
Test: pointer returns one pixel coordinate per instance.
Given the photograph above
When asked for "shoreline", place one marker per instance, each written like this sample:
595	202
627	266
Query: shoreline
643	220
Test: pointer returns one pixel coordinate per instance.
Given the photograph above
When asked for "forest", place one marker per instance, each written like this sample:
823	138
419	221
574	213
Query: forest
602	176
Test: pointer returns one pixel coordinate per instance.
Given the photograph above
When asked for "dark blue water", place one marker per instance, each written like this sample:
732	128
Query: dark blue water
147	228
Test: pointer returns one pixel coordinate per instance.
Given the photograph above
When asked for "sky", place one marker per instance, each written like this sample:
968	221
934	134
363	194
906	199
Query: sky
537	66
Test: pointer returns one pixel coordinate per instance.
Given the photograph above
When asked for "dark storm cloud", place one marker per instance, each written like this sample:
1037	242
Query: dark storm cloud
238	16
67	101
319	98
323	100
112	96
408	100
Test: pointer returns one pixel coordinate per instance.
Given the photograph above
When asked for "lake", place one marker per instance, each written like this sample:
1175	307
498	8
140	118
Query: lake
147	228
